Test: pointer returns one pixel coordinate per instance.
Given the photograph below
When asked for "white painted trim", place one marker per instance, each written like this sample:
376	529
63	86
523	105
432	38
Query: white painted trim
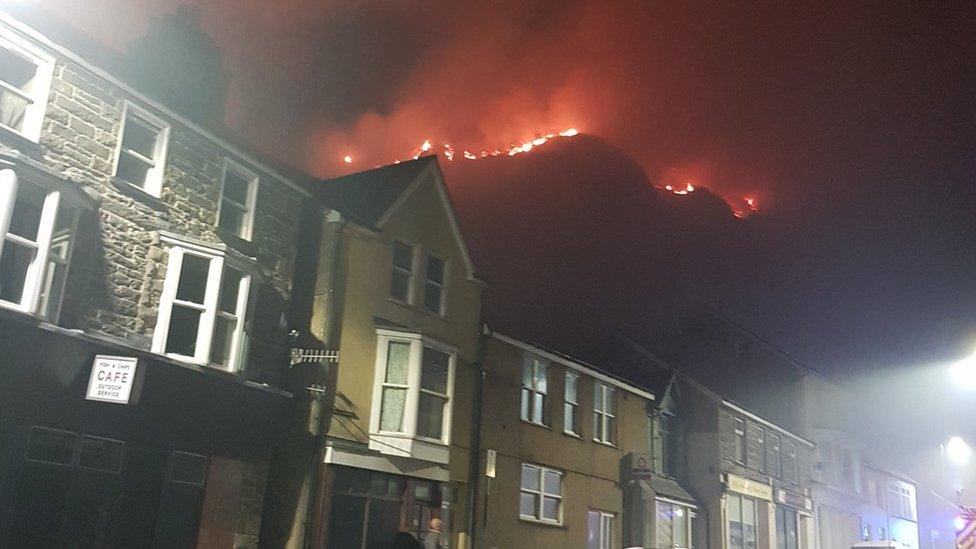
402	466
156	175
573	365
37	36
254	180
676	502
37	109
767	423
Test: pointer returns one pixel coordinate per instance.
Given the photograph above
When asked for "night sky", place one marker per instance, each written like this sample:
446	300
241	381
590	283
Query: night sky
852	124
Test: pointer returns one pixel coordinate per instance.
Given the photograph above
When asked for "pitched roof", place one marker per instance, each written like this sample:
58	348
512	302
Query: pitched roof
367	195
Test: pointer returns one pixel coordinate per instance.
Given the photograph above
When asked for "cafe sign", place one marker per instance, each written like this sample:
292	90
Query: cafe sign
748	487
111	379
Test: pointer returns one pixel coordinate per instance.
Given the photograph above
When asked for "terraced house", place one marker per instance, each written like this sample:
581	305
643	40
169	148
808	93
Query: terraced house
145	269
397	297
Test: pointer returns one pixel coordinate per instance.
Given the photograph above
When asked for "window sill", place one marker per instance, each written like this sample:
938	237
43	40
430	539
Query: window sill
138	193
245	246
20	140
536	424
571	434
604	443
539	522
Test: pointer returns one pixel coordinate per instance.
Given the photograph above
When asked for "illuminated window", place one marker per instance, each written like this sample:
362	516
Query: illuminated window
238	194
436	276
535	389
415	381
25	80
604	416
541	495
739	440
203	307
673	525
141	155
401	287
599	530
571	404
36	224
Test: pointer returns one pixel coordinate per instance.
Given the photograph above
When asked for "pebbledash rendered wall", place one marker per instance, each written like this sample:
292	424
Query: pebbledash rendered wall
118	264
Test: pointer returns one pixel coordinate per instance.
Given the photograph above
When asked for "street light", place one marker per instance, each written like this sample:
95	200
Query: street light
964	372
958	451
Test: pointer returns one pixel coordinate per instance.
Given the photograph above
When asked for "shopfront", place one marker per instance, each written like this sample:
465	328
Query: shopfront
102	445
794	516
747	513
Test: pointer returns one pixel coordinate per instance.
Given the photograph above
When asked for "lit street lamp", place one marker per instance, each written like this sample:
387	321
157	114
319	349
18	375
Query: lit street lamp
964	372
958	451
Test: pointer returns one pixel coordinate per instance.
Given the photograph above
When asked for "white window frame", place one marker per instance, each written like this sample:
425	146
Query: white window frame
36	279
789	448
739	449
442	306
605	536
534	364
38	99
776	467
247	221
154	176
604	416
412	404
209	309
411	274
571	409
541	494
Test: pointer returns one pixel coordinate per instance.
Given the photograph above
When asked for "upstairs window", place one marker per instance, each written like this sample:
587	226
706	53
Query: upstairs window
203	308
36	224
789	462
434	284
535	389
773	464
414	387
401	287
571	404
604	416
238	195
141	155
541	496
25	81
761	449
739	440
901	501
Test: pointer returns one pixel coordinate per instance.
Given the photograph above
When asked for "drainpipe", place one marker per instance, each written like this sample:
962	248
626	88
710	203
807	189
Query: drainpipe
474	465
330	331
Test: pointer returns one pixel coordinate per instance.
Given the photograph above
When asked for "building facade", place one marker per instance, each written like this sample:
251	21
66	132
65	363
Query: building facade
890	513
571	461
145	268
396	295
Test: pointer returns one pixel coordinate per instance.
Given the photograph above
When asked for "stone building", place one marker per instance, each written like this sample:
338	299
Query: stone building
146	266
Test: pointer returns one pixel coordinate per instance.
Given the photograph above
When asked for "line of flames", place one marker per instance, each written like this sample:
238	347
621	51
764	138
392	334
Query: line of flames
748	204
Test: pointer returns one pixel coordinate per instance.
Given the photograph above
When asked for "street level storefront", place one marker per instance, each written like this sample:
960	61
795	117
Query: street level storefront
658	511
794	520
371	499
748	509
102	445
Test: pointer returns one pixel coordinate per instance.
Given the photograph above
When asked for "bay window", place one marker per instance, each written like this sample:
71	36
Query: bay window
203	306
25	81
36	224
238	195
541	494
413	390
673	525
604	417
599	530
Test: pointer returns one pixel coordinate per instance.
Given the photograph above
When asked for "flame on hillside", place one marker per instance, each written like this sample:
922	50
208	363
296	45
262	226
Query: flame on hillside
741	208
